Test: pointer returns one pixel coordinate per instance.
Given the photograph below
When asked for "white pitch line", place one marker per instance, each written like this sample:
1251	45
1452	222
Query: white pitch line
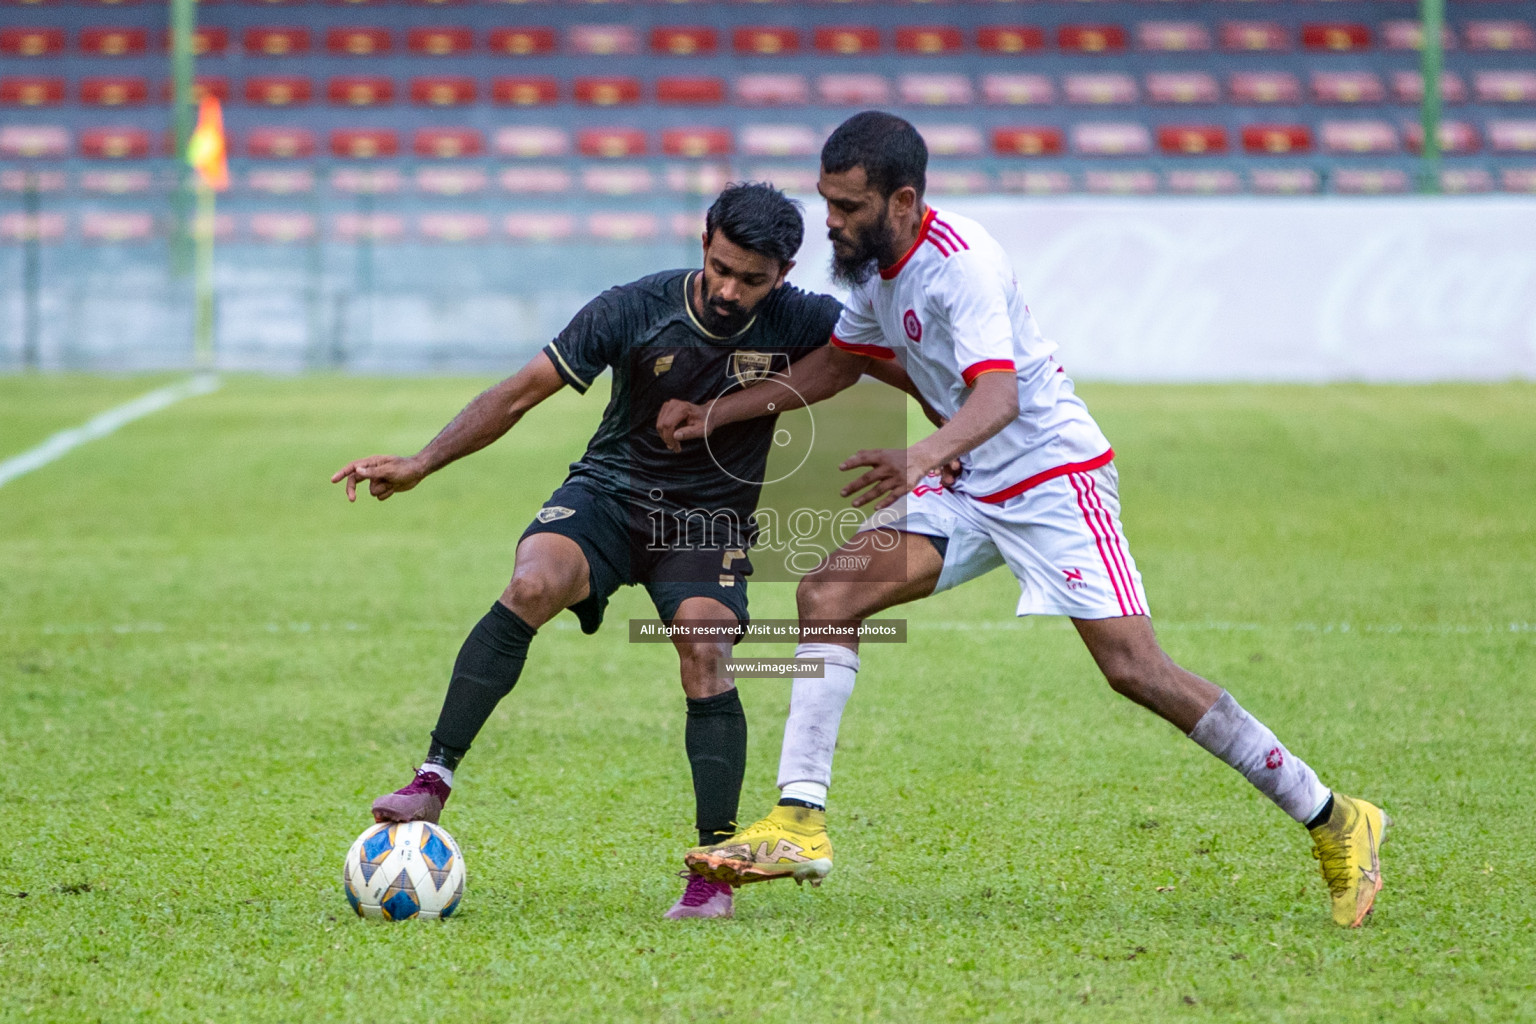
66	441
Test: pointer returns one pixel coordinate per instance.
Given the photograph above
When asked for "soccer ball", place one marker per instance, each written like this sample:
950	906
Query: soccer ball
399	870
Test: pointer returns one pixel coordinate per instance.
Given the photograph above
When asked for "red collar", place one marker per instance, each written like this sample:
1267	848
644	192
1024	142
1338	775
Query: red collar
922	233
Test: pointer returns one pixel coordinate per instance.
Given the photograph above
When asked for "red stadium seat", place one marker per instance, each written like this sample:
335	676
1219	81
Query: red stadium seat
1373	182
447	143
1090	38
1518	179
522	42
114	92
1191	139
773	90
1102	88
696	142
1348	87
364	143
278	91
539	227
453	226
1010	38
765	41
378	227
929	39
1264	87
623	227
282	227
1349	137
112	41
680	41
853	90
1456	137
1182	87
1106	138
358	41
611	142
216	86
115	143
1499	35
360	91
953	139
117	182
34	140
281	181
1215	181
1028	140
31	92
528	142
1120	183
690	92
1037	183
848	40
280	143
1275	139
1336	37
603	40
207	41
626	180
1502	86
31	42
451	181
607	92
1173	36
276	41
440	41
1284	180
935	90
1018	89
536	180
535	91
1512	136
1254	36
1405	34
779	140
442	91
117	226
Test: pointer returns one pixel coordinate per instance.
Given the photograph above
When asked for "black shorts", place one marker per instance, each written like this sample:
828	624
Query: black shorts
616	540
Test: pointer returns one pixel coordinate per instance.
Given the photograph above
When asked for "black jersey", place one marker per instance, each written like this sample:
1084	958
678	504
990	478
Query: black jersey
647	333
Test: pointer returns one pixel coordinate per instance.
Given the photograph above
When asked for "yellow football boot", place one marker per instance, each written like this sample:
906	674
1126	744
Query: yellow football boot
791	842
1348	846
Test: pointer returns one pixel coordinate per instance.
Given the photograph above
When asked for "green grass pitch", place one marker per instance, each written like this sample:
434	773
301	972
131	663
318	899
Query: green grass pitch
210	664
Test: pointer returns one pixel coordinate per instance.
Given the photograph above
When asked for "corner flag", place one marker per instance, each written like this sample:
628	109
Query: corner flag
205	149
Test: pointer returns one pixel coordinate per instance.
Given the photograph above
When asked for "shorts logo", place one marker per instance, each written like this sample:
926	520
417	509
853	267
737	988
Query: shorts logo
663	364
913	326
747	367
550	513
1074	579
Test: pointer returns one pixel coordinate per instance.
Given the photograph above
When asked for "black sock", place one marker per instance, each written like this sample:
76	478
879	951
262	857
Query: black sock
716	739
1322	816
486	670
790	801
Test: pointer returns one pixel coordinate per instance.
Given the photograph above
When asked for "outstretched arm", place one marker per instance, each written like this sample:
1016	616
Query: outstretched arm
488	417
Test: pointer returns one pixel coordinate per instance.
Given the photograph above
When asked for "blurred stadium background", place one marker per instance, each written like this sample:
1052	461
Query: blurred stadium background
1225	189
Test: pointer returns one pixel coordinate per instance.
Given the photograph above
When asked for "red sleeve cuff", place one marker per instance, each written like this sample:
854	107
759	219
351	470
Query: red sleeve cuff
878	351
970	373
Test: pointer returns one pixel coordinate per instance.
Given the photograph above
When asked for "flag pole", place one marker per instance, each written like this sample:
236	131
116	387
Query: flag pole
1431	60
203	230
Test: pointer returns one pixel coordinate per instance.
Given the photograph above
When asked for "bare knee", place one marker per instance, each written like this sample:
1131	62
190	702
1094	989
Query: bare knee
825	600
700	665
534	597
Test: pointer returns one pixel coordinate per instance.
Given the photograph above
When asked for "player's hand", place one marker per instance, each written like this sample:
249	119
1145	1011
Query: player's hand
386	475
949	473
891	474
681	421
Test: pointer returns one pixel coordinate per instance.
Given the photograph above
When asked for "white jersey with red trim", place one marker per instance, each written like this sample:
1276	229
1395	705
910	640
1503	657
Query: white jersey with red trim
949	311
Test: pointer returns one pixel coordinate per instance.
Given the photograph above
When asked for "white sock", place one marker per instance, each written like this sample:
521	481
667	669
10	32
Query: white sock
815	711
1244	742
442	771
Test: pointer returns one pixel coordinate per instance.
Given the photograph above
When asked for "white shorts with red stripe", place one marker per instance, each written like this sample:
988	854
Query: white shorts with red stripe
1061	539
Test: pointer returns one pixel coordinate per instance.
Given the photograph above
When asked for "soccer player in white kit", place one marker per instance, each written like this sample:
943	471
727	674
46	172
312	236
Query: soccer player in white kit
1035	489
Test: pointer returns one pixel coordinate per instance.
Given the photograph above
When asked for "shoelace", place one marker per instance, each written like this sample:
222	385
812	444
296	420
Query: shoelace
700	890
1334	856
424	782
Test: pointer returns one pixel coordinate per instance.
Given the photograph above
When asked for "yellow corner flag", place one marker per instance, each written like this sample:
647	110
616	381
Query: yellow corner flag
205	150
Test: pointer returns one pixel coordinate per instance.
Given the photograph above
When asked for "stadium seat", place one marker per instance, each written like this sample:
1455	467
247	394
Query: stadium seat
1090	38
364	143
537	91
853	90
765	41
1212	181
280	143
273	41
690	92
453	226
1027	140
695	179
1518	179
441	91
522	42
1284	180
207	41
19	180
946	181
31	92
696	142
117	182
618	181
684	41
772	90
282	227
34	140
792	178
117	226
1264	87
371	180
1350	137
115	143
538	227
1274	139
377	227
440	40
1111	138
953	139
358	41
1120	183
1182	87
1408	87
1254	36
536	179
113	41
216	86
602	40
1336	37
1370	182
31	42
1456	137
1504	86
278	91
1018	90
1010	39
687	225
1499	36
531	142
611	143
1037	183
1173	36
929	39
847	40
1512	136
1465	180
623	227
447	143
1099	88
44	227
782	140
1191	139
281	181
1348	87
360	91
114	92
1408	34
935	90
607	92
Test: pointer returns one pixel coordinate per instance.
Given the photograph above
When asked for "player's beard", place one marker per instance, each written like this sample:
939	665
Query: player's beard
871	249
720	317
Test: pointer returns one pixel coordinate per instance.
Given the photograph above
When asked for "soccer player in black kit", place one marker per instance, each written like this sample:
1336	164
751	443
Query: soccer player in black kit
684	334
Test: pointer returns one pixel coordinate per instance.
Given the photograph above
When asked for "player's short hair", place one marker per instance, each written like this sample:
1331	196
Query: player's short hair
889	149
759	218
